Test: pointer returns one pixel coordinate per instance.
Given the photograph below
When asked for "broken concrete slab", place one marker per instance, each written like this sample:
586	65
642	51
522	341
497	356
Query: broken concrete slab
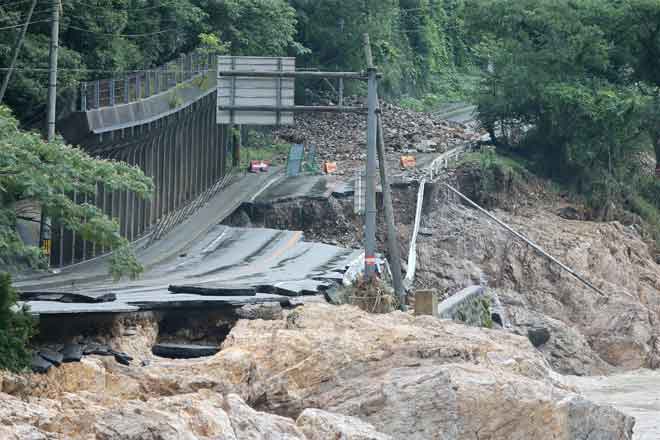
72	353
68	297
213	291
121	357
51	356
97	349
183	351
40	365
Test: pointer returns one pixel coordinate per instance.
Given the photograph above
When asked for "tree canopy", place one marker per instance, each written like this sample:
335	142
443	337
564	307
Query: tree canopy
419	44
46	173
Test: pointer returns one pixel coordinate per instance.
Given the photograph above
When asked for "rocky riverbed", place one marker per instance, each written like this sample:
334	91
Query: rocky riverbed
315	372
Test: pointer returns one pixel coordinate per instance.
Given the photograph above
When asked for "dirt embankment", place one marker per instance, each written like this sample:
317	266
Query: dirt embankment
585	332
581	332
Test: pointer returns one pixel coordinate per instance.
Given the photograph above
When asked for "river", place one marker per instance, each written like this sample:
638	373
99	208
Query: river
635	393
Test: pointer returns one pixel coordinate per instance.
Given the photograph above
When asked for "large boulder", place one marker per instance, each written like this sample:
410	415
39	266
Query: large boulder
401	376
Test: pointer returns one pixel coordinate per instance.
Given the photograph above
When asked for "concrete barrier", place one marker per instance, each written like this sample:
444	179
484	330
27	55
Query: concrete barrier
471	306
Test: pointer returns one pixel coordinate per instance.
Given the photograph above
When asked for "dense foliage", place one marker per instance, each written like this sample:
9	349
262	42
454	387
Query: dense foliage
16	328
419	44
573	85
44	174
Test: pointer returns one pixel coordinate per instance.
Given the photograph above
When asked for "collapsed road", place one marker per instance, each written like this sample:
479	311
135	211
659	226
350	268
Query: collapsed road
228	266
202	264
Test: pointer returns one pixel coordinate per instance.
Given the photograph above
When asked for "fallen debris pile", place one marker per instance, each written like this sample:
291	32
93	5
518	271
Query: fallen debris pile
340	137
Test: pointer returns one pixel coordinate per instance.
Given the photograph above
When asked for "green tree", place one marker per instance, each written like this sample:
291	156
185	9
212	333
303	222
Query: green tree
16	329
45	174
552	86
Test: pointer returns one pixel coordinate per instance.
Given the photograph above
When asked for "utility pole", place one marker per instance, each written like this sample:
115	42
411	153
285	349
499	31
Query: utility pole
370	208
392	239
17	49
52	67
45	239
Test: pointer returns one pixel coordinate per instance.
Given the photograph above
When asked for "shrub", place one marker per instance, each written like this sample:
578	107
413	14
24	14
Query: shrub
16	329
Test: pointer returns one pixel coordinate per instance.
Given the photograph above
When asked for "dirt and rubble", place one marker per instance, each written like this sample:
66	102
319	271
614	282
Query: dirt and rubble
315	372
341	137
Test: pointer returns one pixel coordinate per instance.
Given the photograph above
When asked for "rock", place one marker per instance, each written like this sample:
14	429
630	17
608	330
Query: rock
569	213
121	358
40	365
316	424
408	377
51	356
589	330
97	349
538	336
72	353
184	351
14	384
266	311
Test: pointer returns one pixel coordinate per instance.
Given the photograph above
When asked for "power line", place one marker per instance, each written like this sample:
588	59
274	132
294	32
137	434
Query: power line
110	34
14	3
21	25
146	8
44	69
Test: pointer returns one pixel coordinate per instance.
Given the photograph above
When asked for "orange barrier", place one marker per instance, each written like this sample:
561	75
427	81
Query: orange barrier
330	167
408	162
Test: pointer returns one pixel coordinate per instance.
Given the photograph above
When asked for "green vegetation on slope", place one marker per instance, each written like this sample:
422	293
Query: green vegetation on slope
574	87
418	44
16	329
44	173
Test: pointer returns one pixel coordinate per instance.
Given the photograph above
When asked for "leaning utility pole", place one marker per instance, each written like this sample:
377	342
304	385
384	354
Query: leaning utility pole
370	199
17	49
392	239
52	69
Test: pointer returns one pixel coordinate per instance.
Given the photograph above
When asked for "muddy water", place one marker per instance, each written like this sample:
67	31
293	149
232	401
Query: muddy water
636	393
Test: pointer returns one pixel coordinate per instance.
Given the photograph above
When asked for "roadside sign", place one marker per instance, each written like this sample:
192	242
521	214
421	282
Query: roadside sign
47	246
240	91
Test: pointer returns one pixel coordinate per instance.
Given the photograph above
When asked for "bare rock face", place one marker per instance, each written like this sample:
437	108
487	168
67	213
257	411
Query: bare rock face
415	378
322	425
365	377
590	333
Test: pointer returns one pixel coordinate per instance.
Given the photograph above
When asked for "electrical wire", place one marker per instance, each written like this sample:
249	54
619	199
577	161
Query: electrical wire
64	69
14	3
110	34
23	24
146	8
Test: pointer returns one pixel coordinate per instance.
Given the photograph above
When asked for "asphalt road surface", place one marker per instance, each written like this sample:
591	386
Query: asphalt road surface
272	261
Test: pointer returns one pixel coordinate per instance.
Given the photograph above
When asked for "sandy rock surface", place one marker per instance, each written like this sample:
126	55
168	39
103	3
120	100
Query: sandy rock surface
590	333
400	376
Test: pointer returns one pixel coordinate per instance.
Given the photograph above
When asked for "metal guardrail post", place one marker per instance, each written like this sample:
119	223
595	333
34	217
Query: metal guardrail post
83	96
147	83
97	93
112	92
127	87
138	87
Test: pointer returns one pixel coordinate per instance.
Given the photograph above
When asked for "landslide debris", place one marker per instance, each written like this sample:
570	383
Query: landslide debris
341	137
588	333
319	372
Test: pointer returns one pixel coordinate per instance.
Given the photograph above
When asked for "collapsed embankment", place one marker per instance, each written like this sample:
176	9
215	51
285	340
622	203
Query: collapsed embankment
581	331
315	372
